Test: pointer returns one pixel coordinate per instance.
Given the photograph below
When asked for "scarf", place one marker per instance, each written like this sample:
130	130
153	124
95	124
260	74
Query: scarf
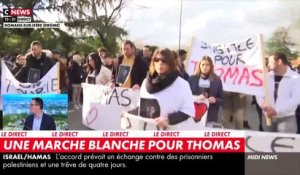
156	83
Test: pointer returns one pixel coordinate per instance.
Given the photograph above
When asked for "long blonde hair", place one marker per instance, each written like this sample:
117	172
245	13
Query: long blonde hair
211	73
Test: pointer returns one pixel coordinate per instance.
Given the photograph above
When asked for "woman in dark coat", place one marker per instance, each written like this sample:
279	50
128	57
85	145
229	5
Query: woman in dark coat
206	85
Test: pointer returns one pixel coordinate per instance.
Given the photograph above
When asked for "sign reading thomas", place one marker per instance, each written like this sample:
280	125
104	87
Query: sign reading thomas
238	64
103	106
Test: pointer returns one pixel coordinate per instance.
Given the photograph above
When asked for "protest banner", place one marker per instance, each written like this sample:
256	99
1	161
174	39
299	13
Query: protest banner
48	84
238	64
102	105
197	122
271	142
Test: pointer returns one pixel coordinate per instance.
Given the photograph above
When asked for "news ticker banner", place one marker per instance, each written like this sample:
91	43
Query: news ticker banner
140	163
23	18
121	141
216	141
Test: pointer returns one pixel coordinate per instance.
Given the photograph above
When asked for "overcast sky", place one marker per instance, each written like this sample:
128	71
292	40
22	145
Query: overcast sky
156	22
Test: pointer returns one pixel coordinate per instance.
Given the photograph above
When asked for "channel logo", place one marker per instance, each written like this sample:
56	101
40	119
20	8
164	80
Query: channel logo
22	18
17	12
20	15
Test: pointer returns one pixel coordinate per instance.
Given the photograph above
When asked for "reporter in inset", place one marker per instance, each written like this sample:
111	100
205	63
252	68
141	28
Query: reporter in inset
36	60
38	120
164	84
284	93
97	70
207	85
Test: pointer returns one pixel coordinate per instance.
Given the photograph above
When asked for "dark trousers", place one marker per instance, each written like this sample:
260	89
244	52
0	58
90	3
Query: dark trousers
298	119
259	112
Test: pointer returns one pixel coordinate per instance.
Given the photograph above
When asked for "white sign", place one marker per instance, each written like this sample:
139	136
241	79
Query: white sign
48	84
238	64
133	122
271	142
103	106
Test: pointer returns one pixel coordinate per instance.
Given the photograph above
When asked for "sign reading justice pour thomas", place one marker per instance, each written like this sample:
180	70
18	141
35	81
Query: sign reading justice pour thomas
238	64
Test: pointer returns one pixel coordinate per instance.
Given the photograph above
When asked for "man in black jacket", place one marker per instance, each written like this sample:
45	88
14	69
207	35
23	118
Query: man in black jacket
36	62
136	64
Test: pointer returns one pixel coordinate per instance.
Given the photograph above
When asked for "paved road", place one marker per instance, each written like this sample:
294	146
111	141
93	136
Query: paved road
75	120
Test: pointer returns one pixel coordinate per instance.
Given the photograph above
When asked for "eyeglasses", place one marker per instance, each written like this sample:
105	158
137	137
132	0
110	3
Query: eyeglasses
159	59
31	104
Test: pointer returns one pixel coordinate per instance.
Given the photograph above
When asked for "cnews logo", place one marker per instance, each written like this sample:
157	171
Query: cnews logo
17	12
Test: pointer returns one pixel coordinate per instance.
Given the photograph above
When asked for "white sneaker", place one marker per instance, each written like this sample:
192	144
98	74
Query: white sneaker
80	106
76	106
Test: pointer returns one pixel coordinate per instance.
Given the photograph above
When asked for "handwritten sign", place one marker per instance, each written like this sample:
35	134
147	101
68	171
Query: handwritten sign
102	105
197	122
48	84
238	64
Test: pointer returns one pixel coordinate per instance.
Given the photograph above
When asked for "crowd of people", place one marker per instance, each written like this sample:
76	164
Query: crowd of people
161	75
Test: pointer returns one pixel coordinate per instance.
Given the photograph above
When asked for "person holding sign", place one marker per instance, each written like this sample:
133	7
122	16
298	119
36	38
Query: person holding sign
37	65
130	69
161	86
206	85
284	95
97	72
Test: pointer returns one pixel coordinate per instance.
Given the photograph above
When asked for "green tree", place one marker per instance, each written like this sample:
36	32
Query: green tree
153	48
51	38
281	42
294	33
93	18
86	45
